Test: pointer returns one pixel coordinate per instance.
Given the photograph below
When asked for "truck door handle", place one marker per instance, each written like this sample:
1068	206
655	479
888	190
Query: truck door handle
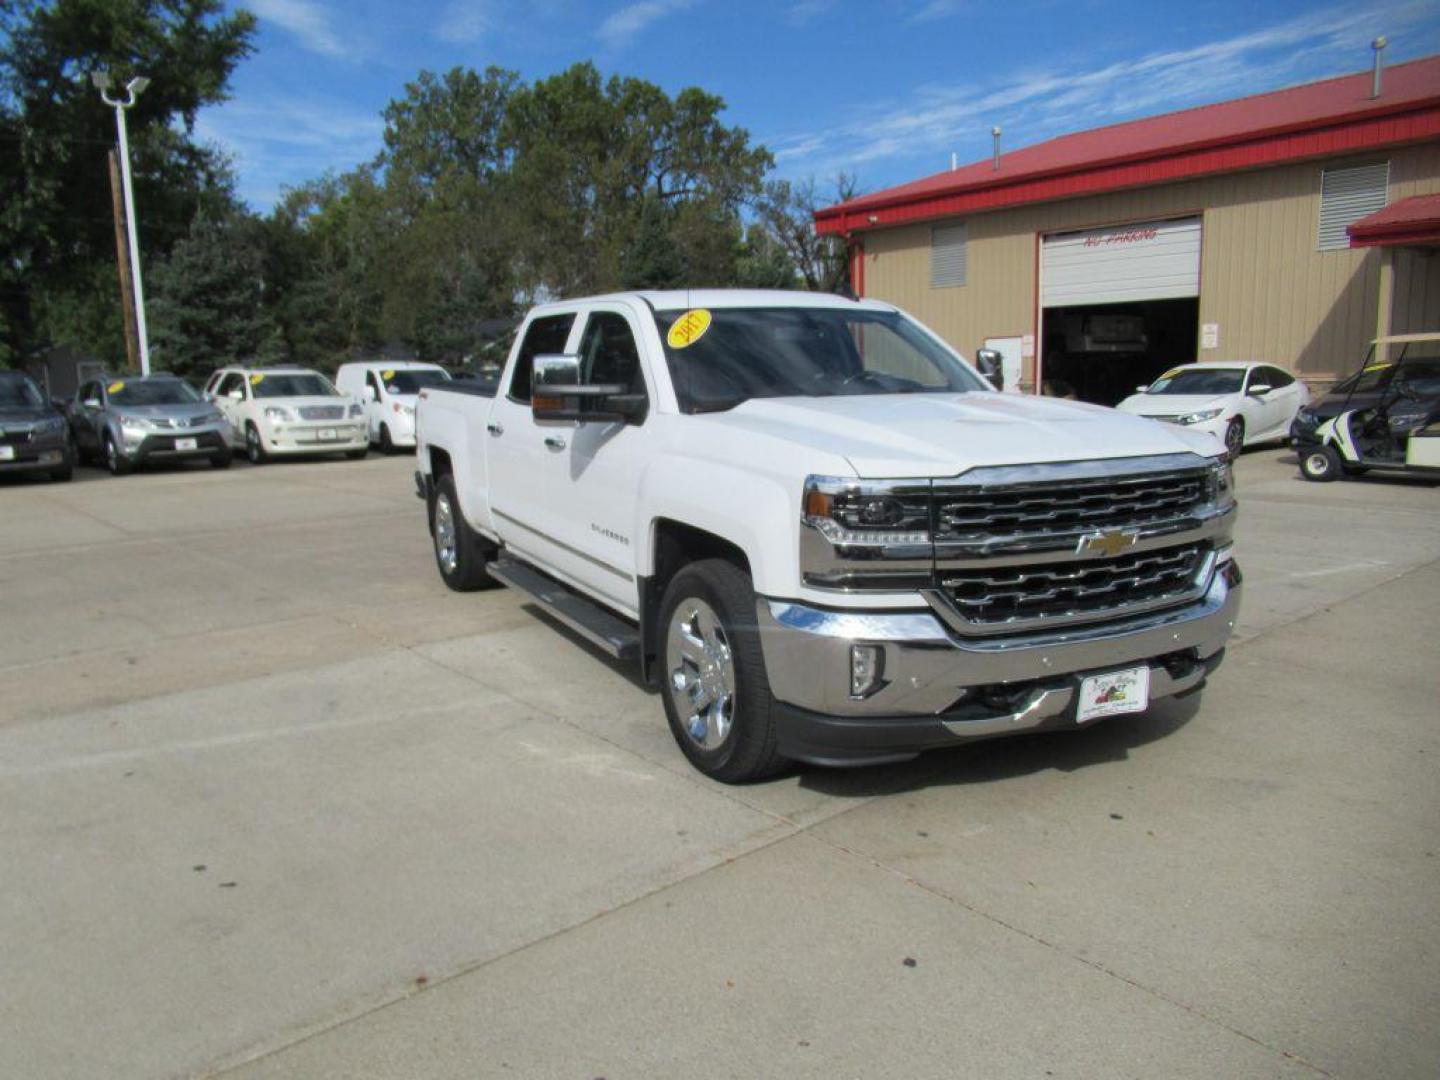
495	429
554	442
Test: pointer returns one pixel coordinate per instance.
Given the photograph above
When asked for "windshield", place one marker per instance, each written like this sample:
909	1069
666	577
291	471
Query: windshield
18	392
151	392
413	380
1198	381
272	384
743	353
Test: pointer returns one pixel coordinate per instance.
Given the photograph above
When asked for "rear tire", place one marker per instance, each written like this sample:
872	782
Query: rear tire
460	552
713	680
1320	464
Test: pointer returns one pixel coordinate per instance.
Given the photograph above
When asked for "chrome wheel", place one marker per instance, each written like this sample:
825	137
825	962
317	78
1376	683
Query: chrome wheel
1235	438
1318	463
253	448
112	455
446	546
701	673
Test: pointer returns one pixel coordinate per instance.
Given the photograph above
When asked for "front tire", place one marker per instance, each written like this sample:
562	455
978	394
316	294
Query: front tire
387	444
255	446
1320	464
1235	437
716	691
115	460
460	552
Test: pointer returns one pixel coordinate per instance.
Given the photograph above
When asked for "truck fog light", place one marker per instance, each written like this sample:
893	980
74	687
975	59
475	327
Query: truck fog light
867	669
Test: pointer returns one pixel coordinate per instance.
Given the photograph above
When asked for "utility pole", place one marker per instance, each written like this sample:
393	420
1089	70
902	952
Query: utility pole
122	262
133	89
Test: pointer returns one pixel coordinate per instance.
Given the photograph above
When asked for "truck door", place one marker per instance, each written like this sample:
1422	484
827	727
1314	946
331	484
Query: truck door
592	476
516	455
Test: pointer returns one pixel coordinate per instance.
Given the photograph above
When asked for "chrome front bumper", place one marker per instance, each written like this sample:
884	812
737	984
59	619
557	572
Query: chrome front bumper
941	688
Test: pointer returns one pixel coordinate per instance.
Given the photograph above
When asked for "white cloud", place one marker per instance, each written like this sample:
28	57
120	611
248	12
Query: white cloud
623	25
279	140
465	21
309	21
935	9
1041	104
804	12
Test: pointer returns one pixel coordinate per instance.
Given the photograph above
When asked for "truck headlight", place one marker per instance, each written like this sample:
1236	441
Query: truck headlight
278	414
1198	417
1222	482
867	513
356	410
865	534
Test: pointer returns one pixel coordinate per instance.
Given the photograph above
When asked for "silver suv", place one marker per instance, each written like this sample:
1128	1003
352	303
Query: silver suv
125	422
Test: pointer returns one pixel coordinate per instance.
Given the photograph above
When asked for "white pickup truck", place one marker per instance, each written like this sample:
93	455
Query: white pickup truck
822	534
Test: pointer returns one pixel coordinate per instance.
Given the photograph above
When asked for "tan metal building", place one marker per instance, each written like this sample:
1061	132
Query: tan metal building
1096	260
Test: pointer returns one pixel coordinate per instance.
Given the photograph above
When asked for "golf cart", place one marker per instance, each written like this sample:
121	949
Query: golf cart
1396	428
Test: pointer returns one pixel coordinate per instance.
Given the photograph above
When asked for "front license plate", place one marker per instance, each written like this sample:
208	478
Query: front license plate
1114	693
186	444
7	453
328	433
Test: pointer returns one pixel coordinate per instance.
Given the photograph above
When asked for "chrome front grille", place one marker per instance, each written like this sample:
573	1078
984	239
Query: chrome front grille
964	513
996	597
322	412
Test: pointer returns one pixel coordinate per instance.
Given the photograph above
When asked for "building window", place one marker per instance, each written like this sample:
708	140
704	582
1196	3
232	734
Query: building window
947	256
1346	196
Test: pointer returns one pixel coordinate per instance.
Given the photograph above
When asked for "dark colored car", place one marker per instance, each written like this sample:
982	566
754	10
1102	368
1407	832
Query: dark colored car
125	421
34	437
1375	383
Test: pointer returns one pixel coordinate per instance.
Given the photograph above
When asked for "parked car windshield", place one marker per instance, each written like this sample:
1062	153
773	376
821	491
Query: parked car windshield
273	384
413	380
19	392
1200	381
151	392
744	353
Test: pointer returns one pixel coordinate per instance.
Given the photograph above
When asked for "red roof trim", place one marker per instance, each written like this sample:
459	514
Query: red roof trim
1415	220
1368	134
1321	119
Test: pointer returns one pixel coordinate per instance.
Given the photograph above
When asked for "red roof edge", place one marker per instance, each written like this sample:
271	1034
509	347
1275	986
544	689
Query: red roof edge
1393	124
1415	220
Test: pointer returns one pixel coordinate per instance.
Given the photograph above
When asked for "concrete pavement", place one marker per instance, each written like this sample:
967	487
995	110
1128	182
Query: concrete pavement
273	802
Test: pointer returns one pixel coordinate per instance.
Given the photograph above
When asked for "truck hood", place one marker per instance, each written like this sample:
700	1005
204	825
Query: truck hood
904	435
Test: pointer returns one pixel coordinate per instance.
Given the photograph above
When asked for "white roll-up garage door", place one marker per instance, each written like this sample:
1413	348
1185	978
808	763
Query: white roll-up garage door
1153	260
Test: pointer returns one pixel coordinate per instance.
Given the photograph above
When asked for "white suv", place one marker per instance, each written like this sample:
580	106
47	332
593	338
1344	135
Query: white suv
389	391
289	410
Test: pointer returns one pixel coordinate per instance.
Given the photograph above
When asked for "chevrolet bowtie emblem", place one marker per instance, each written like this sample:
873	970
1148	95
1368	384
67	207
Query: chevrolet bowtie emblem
1110	543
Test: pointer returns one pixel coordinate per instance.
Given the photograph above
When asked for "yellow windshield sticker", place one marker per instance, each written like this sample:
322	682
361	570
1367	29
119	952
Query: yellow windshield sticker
1171	373
688	329
115	388
256	380
1377	367
388	375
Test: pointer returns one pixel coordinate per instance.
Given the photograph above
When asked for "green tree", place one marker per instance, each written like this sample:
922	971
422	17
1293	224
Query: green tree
55	225
206	298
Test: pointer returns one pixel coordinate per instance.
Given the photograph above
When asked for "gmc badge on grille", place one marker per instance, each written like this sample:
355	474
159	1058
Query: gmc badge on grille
1110	542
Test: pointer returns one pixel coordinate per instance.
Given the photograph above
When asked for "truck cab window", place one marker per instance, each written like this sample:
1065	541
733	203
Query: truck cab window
608	353
546	337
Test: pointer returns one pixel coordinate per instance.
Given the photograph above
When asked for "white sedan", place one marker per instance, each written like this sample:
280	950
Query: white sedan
1240	403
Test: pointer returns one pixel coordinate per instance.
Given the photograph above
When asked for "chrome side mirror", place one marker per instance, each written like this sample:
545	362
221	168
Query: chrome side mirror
990	364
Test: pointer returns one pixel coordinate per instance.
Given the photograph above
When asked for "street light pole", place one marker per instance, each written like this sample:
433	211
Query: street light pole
133	90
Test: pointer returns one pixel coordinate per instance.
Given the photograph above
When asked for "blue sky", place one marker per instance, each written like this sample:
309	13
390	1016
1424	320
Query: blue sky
886	89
